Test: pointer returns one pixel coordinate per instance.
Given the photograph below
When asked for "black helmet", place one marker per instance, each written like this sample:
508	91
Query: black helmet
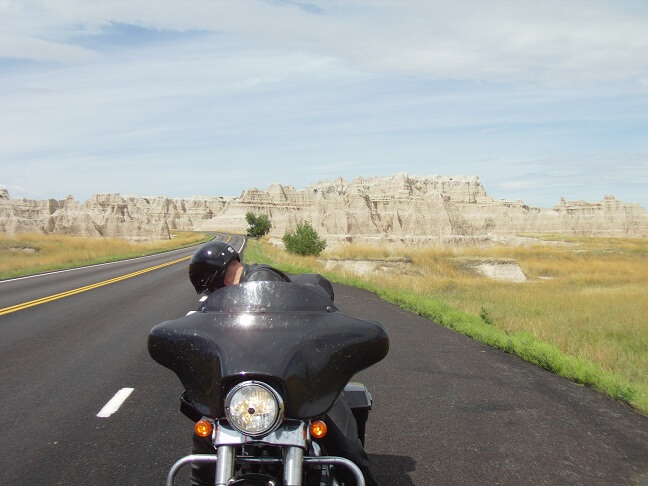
208	265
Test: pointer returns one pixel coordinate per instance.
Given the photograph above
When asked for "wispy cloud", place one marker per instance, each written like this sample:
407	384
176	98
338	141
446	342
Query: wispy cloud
118	96
551	41
582	176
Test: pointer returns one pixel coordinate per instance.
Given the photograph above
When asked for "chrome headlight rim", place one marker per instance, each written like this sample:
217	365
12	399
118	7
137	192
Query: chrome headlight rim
273	393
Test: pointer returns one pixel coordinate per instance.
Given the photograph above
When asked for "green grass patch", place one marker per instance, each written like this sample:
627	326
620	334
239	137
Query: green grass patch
480	326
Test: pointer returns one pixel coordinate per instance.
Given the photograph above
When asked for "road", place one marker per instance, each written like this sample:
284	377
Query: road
447	410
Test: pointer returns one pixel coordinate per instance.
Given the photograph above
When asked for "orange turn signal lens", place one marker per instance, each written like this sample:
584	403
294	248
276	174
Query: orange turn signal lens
204	428
318	429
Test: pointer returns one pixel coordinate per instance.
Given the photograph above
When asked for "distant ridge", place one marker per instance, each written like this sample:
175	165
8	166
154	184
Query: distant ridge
409	209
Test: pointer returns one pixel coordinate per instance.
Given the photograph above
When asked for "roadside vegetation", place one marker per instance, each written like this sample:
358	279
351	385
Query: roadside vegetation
27	254
304	240
258	225
583	313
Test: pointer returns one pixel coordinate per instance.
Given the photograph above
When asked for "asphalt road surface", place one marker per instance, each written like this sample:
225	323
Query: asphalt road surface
447	410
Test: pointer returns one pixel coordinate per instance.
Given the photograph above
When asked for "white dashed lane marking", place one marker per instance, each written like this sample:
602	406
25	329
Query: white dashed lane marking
115	402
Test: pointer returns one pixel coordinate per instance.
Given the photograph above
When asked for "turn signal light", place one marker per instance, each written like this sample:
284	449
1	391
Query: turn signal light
203	428
318	429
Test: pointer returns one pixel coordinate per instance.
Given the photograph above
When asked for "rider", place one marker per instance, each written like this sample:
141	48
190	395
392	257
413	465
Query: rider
215	265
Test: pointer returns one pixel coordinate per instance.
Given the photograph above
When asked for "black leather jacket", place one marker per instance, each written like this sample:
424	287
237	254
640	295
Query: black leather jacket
258	272
265	273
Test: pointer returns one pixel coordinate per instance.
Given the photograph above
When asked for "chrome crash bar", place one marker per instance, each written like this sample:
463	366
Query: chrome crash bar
309	461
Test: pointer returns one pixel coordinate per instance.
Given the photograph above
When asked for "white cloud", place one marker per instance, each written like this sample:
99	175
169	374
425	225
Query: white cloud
276	91
24	47
578	177
550	42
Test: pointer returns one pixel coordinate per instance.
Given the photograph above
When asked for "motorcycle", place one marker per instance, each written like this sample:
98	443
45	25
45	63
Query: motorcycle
261	364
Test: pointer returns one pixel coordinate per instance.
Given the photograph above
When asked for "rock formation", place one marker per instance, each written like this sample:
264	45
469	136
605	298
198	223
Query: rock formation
419	210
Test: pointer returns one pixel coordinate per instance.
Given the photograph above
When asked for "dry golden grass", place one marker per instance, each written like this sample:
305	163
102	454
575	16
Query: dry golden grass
588	297
23	254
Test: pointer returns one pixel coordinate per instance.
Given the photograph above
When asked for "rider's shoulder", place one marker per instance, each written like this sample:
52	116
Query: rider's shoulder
316	280
261	272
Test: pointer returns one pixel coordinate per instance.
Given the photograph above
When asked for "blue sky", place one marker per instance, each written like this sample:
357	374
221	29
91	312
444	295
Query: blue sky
180	98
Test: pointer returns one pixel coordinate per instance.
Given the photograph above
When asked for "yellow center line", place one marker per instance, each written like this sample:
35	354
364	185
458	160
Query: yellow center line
32	303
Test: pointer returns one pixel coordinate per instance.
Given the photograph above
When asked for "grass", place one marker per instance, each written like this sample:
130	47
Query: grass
27	254
582	314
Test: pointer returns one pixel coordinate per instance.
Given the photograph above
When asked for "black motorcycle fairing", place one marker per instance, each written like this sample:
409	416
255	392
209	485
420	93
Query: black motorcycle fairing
283	330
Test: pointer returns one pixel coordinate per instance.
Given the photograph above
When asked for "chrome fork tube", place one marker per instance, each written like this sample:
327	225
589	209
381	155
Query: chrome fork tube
225	465
293	466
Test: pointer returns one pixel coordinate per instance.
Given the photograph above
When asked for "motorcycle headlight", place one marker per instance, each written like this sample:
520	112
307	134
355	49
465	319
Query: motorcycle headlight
253	408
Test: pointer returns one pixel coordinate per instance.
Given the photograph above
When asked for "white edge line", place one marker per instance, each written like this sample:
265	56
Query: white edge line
95	265
87	266
115	402
99	264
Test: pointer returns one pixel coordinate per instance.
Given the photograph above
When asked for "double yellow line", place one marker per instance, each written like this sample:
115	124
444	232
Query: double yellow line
32	303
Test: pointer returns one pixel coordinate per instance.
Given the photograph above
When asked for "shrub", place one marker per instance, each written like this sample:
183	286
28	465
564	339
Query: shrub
258	225
304	241
485	317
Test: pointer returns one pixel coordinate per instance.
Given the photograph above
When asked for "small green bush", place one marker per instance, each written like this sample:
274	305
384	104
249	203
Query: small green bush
485	317
304	241
258	225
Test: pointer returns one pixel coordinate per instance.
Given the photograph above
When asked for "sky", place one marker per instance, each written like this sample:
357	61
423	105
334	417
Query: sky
541	100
